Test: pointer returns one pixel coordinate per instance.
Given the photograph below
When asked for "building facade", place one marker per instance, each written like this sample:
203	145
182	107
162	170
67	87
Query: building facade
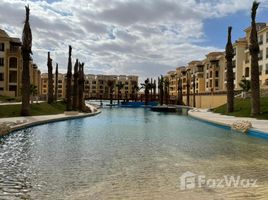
11	67
96	86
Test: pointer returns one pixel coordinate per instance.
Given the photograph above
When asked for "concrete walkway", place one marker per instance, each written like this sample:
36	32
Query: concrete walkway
18	123
205	115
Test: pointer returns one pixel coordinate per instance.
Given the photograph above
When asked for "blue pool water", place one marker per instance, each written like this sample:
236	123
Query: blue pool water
129	154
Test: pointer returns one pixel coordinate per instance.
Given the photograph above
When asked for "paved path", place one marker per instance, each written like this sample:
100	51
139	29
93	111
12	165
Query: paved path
259	125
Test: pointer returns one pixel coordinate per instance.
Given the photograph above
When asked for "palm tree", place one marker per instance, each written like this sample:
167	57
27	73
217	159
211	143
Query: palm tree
110	85
119	86
146	86
135	90
154	90
180	101
33	92
26	50
245	85
56	82
161	83
166	90
229	55
254	50
50	98
81	82
194	102
75	86
188	87
69	82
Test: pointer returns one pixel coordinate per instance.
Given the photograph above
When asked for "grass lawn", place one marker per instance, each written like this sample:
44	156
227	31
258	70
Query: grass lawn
242	108
36	109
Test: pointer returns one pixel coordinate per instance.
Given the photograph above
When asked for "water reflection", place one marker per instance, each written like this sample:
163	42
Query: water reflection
128	154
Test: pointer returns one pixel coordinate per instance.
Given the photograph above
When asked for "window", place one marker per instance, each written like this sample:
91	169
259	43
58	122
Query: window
216	83
266	69
1	89
210	83
216	73
247	58
93	82
59	91
126	88
207	84
266	52
60	86
260	39
2	46
1	77
260	55
1	61
13	62
59	81
260	69
247	72
210	74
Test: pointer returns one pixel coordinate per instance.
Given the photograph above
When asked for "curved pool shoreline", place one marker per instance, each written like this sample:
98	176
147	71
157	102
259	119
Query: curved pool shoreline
222	122
43	119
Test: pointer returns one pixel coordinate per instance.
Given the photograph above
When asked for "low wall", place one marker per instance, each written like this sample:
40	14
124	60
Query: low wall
207	101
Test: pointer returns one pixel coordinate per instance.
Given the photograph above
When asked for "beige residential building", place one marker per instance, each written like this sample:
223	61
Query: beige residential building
11	67
96	86
214	65
61	85
263	56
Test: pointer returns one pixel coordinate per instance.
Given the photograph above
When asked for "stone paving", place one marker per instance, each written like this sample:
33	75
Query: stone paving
206	115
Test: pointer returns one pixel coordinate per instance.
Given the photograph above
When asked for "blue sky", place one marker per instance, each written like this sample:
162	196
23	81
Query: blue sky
216	28
140	37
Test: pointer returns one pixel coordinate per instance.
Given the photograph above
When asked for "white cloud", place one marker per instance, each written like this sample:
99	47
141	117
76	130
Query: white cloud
143	37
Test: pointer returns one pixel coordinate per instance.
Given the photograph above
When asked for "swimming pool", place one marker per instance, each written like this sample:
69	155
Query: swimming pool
129	154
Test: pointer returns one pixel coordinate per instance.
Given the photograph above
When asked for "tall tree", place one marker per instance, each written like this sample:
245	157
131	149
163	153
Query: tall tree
194	101
50	97
110	85
229	55
254	50
81	83
56	82
180	96
69	82
26	51
119	86
161	83
154	90
188	87
75	86
147	87
166	90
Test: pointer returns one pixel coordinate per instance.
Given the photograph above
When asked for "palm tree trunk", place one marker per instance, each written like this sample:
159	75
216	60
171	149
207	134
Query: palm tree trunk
180	101
81	87
254	51
56	83
69	82
75	86
229	51
194	102
26	51
188	89
50	98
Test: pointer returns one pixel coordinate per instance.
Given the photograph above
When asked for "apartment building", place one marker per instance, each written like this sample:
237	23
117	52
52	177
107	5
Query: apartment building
96	86
61	85
262	29
11	66
215	65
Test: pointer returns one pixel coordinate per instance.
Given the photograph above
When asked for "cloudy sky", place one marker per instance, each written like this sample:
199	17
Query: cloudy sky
140	37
